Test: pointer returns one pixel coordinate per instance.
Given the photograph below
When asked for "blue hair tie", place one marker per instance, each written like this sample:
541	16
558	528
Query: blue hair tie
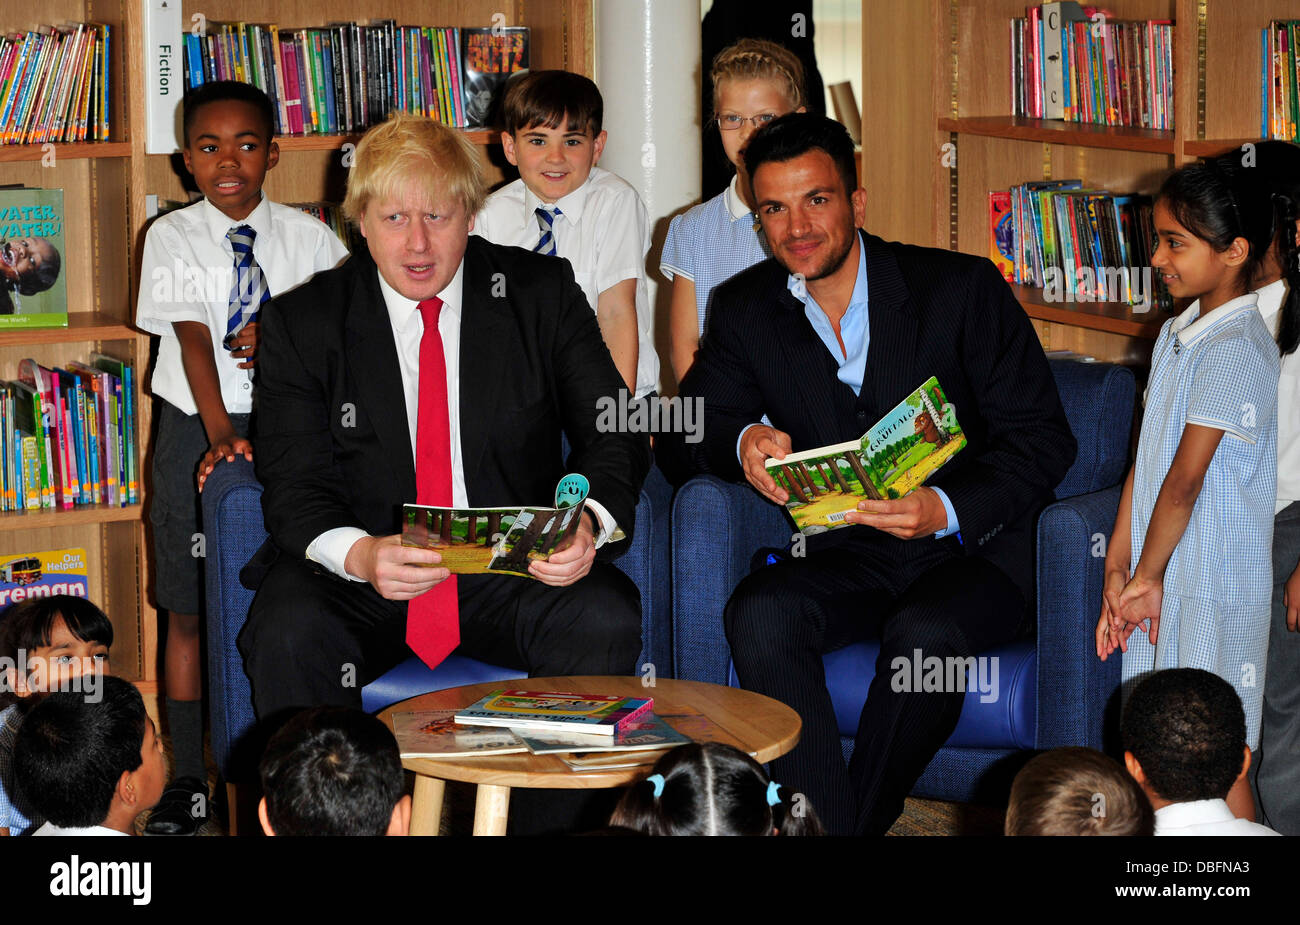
658	781
772	788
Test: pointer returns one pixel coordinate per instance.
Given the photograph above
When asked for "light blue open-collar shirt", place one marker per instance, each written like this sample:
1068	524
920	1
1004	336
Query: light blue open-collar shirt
852	361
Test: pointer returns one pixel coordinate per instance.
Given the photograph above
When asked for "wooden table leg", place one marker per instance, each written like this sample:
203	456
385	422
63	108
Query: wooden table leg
491	808
426	805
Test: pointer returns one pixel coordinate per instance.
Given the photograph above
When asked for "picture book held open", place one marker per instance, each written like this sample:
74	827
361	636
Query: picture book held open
901	451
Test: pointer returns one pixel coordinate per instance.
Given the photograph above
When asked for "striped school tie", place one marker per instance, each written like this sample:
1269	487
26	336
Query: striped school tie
249	290
545	219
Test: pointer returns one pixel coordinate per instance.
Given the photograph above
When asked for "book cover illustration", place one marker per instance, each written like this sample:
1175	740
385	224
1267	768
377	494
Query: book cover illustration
489	57
603	714
646	734
436	734
894	457
1001	239
33	291
497	539
40	574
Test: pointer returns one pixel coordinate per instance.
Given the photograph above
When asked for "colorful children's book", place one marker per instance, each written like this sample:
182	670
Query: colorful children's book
649	733
435	734
891	459
33	290
496	539
602	714
40	574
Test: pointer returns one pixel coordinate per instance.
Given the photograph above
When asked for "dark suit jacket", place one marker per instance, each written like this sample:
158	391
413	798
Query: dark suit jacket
931	313
330	436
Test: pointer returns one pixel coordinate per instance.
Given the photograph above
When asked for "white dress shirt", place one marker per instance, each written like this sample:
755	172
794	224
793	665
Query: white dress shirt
186	273
50	828
1288	400
603	230
330	549
1205	817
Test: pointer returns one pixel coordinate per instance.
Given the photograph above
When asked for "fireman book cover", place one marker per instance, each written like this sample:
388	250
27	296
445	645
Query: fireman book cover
41	574
893	458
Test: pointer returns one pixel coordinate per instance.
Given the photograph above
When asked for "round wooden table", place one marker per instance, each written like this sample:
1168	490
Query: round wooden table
763	727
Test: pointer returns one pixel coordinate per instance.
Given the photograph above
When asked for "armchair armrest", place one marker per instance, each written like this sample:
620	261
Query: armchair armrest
1074	686
233	532
716	528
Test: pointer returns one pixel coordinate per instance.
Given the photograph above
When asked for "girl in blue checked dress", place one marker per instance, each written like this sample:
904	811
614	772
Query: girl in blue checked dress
754	81
1189	561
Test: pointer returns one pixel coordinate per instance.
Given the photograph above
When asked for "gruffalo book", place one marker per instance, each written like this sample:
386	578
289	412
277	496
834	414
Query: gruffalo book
33	292
901	451
489	540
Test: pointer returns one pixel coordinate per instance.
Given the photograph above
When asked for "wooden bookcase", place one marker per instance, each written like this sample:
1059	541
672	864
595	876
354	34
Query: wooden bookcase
937	74
105	185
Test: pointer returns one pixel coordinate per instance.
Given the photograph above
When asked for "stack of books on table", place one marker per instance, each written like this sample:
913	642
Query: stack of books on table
582	729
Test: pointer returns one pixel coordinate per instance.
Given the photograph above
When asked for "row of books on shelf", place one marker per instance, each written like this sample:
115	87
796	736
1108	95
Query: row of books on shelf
1078	245
1072	63
54	84
1279	116
69	436
348	76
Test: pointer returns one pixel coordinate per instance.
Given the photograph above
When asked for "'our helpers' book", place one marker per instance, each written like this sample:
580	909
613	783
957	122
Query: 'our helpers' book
602	714
901	451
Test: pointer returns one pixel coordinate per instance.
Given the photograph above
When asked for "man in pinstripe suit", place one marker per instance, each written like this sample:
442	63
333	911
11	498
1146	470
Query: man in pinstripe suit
823	339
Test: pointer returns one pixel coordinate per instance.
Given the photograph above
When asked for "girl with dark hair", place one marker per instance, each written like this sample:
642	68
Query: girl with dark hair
712	789
1189	557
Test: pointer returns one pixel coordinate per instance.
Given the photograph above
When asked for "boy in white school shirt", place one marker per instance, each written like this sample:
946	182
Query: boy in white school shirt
563	204
206	271
1184	734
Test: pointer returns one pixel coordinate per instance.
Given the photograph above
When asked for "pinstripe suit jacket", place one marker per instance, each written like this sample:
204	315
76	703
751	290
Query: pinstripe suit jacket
930	313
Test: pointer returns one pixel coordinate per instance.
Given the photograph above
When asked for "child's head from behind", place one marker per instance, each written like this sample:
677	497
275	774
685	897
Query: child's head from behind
1184	734
1077	791
712	789
753	79
1214	229
551	130
229	144
83	761
59	642
333	771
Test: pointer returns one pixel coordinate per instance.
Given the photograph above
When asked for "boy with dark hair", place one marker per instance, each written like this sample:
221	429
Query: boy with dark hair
1077	791
564	205
1184	733
50	643
333	771
206	272
90	765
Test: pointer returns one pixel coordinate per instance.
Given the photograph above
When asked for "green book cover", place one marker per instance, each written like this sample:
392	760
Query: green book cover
889	461
33	287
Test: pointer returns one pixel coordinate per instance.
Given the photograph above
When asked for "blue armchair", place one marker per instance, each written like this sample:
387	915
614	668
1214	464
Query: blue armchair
232	517
1055	691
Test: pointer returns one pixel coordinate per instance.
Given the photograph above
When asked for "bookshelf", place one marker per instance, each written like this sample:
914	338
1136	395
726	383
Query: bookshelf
105	185
959	94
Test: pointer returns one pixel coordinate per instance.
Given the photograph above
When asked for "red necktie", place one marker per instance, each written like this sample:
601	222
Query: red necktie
433	618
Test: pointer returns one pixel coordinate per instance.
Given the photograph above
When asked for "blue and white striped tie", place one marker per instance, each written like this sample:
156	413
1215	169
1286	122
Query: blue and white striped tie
249	290
545	220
